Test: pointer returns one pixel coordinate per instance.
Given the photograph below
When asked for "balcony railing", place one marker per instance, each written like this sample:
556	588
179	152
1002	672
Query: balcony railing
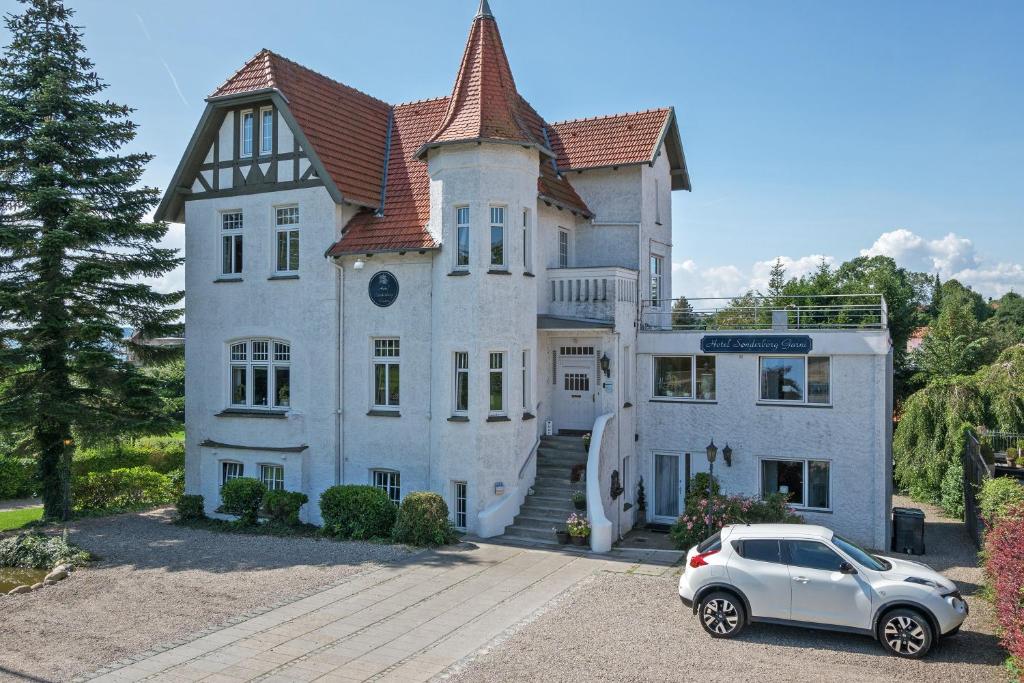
591	293
806	312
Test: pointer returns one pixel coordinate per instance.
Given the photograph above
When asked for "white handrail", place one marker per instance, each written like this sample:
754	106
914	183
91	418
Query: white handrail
600	526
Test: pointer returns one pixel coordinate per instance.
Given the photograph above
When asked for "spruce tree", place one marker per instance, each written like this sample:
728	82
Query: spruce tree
73	247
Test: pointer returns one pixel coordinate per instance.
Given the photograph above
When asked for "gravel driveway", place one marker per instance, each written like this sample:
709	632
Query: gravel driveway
623	627
155	583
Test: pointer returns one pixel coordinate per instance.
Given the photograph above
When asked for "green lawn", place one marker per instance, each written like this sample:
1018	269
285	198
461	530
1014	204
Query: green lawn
15	519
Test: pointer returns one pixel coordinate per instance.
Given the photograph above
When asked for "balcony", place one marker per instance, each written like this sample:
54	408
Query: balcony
808	312
606	295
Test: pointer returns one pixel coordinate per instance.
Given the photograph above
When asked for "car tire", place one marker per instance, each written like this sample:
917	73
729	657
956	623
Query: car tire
721	614
906	633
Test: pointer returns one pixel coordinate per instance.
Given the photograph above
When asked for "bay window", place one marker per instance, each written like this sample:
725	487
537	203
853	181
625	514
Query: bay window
390	482
684	377
272	477
498	237
230	470
386	373
260	373
462	237
805	483
796	379
461	383
496	383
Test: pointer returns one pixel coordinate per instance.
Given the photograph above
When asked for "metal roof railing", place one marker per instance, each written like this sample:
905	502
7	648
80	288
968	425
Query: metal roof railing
752	312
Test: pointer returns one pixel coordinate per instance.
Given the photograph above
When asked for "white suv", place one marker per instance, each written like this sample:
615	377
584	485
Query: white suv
806	575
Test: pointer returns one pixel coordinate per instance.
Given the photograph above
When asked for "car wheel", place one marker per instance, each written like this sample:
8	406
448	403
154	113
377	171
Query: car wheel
721	614
905	633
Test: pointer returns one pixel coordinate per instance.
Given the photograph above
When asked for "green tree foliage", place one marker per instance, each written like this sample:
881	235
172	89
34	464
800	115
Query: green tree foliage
955	344
683	317
73	247
953	291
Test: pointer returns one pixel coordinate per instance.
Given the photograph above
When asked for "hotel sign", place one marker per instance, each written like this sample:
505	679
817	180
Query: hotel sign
756	343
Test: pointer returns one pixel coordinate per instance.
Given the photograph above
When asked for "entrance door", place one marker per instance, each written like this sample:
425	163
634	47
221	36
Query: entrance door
574	400
669	496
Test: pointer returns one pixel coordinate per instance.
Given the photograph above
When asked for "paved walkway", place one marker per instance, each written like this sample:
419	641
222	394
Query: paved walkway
20	503
406	622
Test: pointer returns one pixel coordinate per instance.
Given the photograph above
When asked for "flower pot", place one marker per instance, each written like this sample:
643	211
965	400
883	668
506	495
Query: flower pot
580	504
563	537
1012	462
579	540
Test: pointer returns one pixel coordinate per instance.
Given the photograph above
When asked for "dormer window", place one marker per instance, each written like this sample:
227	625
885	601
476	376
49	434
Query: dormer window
246	133
266	130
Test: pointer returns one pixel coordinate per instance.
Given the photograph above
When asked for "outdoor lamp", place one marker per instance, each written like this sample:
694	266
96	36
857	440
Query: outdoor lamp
727	454
358	265
606	365
712	451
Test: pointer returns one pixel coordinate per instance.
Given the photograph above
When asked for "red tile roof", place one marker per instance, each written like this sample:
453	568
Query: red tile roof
484	104
613	140
407	204
346	128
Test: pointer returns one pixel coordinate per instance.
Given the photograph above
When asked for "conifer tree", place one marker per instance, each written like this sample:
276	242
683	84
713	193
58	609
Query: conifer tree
73	247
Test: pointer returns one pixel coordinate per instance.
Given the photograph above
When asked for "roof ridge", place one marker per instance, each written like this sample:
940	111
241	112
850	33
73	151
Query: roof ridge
324	76
421	101
601	117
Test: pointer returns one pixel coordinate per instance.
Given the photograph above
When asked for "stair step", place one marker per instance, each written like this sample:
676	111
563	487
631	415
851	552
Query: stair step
531	535
572	447
522	522
548	480
561	460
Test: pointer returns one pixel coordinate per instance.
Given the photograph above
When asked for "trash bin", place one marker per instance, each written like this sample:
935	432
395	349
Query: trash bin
908	530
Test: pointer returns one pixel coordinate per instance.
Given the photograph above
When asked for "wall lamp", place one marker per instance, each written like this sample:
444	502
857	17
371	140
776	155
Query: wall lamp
606	365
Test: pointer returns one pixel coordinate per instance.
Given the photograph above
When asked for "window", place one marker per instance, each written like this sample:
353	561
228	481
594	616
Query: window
813	555
272	477
229	471
498	236
626	369
462	237
527	244
497	383
231	225
389	482
576	381
684	377
526	379
862	556
260	373
461	382
657	268
246	142
459	498
805	483
785	378
563	248
761	550
266	130
386	361
287	239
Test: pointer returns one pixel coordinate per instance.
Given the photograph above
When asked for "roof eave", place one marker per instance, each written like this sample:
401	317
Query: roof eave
331	253
673	142
427	146
586	213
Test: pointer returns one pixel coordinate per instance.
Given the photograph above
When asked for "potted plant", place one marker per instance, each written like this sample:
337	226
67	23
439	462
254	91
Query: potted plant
577	472
579	529
579	499
562	535
1011	457
641	504
586	442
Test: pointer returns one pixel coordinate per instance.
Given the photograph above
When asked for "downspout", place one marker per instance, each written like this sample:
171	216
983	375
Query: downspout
339	435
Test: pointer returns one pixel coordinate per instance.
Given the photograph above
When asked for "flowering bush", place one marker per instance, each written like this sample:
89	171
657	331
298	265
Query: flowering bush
706	514
1004	566
577	525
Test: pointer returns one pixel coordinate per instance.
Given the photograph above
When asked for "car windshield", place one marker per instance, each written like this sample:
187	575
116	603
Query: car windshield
710	543
860	555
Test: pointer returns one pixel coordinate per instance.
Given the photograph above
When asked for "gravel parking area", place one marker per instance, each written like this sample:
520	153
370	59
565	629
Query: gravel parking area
630	627
156	583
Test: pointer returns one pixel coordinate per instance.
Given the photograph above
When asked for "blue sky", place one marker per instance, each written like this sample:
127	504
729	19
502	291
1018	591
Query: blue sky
811	128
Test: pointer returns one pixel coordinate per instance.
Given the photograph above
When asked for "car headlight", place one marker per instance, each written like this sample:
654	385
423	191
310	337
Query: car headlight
922	582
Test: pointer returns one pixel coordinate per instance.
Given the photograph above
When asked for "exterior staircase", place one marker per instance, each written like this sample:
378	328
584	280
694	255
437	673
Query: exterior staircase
551	501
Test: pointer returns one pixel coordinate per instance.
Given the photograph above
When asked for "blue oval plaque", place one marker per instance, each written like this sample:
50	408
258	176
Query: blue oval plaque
383	288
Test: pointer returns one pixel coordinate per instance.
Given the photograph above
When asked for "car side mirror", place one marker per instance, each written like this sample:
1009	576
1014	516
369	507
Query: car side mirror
847	568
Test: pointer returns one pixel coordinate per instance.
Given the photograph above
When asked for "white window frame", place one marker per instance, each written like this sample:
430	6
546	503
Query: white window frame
225	465
805	389
287	228
563	254
626	369
657	267
245	138
381	356
272	482
498	220
265	148
278	356
502	358
527	381
456	498
693	378
462	211
460	366
232	243
805	478
527	241
388	481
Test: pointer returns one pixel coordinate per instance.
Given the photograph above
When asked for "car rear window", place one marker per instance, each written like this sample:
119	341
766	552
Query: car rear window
710	543
761	550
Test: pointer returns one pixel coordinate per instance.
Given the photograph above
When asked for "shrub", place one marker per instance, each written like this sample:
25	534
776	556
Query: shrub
39	551
162	453
705	515
283	506
359	512
243	497
17	477
997	496
423	520
190	508
951	491
701	483
1004	566
128	487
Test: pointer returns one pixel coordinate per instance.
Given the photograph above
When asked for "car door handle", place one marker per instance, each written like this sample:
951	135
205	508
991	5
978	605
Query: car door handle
801	579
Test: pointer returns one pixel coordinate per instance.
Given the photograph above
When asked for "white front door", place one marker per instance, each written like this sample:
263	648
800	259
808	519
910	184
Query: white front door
574	400
669	485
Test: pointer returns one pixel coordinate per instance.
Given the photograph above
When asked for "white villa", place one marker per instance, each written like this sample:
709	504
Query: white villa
444	294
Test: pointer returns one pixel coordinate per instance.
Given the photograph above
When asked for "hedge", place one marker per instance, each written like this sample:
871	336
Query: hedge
243	497
190	508
423	520
999	495
358	512
283	506
161	453
1004	566
123	488
17	477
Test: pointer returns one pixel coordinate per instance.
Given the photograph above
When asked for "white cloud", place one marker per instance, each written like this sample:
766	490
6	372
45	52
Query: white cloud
951	256
173	281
